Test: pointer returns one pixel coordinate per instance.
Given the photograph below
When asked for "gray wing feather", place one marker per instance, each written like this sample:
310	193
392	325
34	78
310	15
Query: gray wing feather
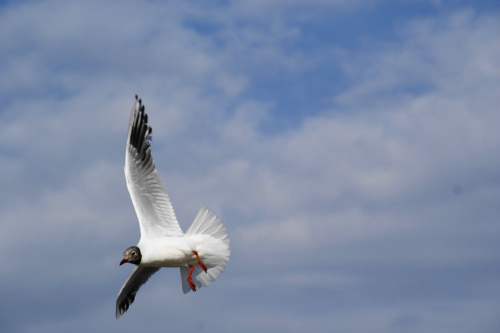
129	289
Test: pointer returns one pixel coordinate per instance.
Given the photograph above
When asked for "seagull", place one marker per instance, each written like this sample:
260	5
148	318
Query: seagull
201	253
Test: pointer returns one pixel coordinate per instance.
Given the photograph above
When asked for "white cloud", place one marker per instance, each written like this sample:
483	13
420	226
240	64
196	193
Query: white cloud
350	213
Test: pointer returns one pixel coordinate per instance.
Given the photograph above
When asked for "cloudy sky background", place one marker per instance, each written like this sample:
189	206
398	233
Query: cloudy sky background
352	149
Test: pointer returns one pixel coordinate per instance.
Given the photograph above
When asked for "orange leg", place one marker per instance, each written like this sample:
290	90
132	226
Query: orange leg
202	265
190	281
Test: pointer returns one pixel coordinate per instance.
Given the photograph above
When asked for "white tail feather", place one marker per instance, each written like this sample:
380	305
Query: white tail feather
214	250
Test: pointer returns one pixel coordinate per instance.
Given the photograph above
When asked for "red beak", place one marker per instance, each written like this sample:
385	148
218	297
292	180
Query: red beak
123	261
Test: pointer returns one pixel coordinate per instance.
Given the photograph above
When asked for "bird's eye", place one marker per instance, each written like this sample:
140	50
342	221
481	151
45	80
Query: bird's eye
133	253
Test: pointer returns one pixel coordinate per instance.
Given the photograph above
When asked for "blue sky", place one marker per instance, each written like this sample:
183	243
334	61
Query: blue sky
350	147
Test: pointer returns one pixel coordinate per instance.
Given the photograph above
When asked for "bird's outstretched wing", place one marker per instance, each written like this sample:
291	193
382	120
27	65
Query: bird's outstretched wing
147	190
126	295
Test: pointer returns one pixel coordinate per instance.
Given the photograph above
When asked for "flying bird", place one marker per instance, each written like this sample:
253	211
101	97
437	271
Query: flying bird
201	253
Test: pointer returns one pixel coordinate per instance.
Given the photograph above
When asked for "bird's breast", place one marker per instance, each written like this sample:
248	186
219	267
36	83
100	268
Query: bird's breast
165	252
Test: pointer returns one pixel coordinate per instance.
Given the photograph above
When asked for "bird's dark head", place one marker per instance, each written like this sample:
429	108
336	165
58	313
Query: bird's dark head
132	255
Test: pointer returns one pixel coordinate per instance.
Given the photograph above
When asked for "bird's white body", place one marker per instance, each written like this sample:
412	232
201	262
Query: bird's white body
167	252
178	251
202	252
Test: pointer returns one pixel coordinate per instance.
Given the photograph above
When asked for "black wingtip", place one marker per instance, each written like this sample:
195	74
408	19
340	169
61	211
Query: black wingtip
140	134
138	99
